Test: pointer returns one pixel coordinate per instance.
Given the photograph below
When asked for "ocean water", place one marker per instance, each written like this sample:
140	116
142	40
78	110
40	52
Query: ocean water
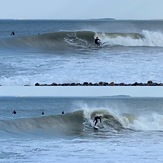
131	129
63	51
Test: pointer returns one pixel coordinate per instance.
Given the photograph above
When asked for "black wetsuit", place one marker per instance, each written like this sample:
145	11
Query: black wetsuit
97	41
14	112
96	119
12	33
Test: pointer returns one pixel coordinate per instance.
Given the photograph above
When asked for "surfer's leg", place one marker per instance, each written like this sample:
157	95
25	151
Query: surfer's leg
95	122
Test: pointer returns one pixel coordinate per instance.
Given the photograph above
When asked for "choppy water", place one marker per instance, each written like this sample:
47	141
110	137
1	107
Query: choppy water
64	51
131	129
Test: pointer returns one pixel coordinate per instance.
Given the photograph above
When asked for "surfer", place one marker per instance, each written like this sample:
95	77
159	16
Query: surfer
14	112
96	119
12	33
97	41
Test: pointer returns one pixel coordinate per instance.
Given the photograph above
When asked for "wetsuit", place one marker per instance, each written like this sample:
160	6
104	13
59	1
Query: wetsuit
14	112
96	119
97	41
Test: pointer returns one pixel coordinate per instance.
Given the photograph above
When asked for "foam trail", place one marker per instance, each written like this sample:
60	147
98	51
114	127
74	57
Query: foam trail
153	122
145	38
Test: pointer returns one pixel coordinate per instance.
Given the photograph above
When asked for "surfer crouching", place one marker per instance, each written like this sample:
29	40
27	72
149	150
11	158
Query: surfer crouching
96	119
97	41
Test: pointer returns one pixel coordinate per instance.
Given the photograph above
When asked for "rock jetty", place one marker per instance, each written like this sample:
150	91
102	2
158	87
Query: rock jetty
149	83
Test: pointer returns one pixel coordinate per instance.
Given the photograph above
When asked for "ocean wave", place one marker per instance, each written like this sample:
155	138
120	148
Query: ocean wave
60	41
81	122
79	40
145	38
71	123
54	124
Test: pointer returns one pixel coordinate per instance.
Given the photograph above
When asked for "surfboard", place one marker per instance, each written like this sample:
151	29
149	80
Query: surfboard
95	127
99	42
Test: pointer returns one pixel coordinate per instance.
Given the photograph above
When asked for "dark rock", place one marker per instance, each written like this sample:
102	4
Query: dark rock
112	84
122	84
149	82
85	83
135	84
73	84
54	84
37	84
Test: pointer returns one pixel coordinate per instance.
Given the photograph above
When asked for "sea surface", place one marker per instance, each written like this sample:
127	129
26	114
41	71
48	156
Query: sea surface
63	51
131	129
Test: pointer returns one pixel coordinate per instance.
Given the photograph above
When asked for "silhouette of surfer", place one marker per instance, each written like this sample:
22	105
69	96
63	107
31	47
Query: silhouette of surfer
43	113
96	118
14	112
97	41
62	112
12	33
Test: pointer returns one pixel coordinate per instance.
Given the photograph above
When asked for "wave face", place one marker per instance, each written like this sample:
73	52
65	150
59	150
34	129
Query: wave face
81	123
59	41
118	114
84	40
71	123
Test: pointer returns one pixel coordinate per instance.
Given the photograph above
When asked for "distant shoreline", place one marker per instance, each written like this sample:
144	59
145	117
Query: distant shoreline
82	19
91	19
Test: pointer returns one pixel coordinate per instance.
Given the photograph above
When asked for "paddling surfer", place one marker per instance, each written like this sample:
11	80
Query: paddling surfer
12	33
14	112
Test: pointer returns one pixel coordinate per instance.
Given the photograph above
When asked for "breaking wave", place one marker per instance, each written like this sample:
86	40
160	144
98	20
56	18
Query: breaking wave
66	40
71	123
81	123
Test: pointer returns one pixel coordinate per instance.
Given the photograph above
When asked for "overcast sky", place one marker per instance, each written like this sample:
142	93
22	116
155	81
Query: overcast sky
81	9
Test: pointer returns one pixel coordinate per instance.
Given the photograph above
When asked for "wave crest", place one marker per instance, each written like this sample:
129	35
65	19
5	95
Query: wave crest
78	40
81	123
145	38
70	123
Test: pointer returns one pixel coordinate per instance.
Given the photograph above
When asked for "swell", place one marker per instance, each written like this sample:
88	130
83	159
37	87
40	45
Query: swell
81	123
59	41
76	40
70	123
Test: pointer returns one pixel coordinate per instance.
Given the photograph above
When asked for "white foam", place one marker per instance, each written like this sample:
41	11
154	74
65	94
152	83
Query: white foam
150	38
153	122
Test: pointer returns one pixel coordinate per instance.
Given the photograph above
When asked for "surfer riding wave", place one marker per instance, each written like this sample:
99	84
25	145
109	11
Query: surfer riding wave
96	118
97	41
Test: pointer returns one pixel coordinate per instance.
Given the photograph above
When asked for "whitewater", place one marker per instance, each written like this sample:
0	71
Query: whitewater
63	51
130	130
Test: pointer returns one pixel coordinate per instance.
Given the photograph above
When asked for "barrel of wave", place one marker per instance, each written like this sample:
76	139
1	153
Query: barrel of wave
108	120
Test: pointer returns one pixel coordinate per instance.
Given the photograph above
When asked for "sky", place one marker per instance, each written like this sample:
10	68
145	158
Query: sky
81	9
80	91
